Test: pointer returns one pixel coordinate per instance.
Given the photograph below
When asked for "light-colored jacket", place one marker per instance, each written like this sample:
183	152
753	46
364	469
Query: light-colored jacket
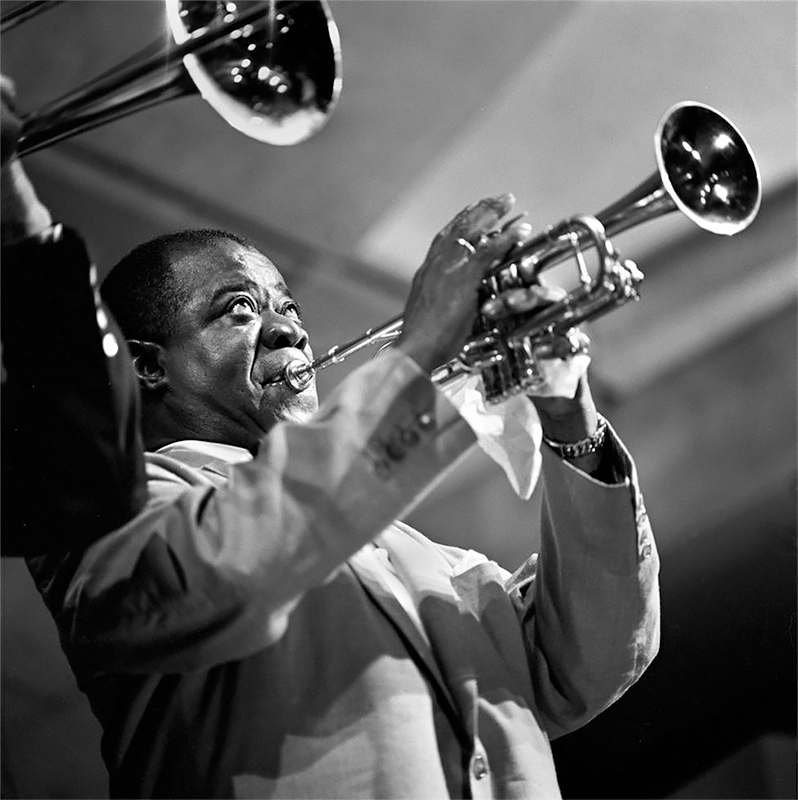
238	639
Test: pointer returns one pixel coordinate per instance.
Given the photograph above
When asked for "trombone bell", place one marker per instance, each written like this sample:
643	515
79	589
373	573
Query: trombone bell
276	79
271	69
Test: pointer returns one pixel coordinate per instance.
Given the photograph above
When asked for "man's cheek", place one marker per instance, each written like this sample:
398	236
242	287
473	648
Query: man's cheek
230	367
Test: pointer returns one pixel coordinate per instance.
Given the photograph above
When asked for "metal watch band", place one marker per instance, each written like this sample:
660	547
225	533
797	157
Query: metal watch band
584	447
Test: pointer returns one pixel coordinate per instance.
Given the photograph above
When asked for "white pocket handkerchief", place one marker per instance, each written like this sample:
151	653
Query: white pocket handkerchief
508	432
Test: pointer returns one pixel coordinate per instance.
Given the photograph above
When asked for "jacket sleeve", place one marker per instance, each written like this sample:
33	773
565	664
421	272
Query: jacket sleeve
210	573
589	603
73	461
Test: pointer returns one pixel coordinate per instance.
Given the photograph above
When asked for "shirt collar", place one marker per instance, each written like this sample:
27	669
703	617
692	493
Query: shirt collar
229	453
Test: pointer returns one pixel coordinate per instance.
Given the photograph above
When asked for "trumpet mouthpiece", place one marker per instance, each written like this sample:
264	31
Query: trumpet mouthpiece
298	375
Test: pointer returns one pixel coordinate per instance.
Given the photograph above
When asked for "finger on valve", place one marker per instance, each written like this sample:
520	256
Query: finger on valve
479	234
572	342
521	299
479	218
443	303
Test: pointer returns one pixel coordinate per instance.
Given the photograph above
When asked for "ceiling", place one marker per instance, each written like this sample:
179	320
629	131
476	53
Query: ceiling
445	101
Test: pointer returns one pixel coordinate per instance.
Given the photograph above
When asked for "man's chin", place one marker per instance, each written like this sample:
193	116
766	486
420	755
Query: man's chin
295	408
299	413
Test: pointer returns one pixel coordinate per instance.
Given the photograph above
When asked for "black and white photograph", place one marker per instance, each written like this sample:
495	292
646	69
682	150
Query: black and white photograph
399	399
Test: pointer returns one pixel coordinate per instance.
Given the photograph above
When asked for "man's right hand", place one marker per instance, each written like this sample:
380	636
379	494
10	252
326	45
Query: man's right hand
443	301
23	214
10	123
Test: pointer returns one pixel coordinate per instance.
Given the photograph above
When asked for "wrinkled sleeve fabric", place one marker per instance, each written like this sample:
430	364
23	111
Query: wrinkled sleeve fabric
589	601
208	573
73	461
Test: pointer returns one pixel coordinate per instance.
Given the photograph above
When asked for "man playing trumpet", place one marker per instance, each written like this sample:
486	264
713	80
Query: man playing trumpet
265	628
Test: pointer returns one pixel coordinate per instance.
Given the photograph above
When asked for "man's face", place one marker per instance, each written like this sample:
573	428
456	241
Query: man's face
235	332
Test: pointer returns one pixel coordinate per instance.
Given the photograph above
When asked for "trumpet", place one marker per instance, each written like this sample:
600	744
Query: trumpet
705	169
272	70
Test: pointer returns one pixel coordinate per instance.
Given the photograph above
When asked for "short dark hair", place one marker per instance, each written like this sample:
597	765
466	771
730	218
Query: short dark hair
143	292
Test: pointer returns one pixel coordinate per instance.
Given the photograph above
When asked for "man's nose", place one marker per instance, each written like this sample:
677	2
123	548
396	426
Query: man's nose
279	331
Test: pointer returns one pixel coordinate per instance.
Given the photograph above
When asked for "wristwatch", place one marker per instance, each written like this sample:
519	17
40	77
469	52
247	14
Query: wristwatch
584	447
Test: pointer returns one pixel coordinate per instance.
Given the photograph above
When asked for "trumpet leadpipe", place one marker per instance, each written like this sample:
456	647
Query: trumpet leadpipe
298	374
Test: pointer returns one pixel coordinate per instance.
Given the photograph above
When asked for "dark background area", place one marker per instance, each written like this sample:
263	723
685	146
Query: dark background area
725	676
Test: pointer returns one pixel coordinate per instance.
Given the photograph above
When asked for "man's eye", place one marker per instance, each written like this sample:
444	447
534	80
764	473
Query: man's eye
243	305
292	310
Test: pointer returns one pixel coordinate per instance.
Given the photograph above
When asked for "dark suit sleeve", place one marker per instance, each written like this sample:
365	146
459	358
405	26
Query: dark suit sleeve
72	457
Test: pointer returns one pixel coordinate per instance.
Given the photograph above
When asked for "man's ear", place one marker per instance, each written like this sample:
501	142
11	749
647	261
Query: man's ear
147	364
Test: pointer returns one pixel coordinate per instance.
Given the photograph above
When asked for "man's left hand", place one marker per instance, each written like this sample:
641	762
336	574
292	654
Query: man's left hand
562	361
562	397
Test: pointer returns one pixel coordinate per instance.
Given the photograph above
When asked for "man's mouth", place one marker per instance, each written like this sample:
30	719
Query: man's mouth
282	373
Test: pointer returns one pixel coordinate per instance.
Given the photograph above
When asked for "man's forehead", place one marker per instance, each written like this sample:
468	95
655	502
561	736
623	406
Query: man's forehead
207	267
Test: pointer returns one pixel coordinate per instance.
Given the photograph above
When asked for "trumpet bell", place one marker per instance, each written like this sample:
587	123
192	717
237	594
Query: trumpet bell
707	168
704	169
276	79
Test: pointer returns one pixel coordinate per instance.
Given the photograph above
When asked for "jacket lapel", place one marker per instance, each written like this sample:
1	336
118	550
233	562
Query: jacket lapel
369	573
427	574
